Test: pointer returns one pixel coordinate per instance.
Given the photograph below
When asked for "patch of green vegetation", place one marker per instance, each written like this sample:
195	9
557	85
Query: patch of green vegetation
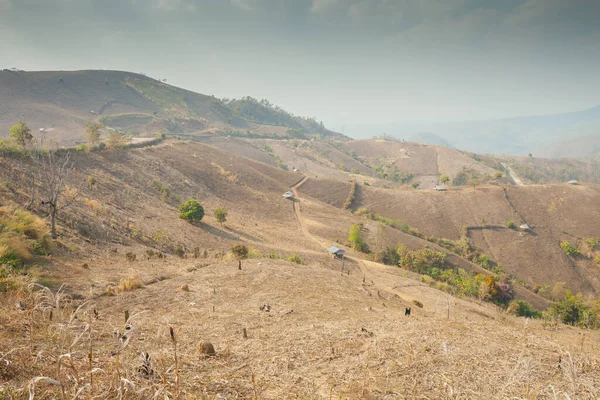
131	119
164	96
22	235
295	259
263	112
569	249
522	308
356	240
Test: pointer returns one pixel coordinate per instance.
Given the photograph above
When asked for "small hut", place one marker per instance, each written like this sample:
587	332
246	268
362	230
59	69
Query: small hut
336	252
441	188
524	227
573	182
288	195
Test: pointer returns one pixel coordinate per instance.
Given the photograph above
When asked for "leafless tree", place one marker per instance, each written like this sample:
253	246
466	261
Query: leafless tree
53	168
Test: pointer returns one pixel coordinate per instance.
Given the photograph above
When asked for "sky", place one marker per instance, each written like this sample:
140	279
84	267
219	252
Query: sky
349	63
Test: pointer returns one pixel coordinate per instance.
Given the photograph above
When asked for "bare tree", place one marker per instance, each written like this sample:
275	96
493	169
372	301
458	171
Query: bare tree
53	168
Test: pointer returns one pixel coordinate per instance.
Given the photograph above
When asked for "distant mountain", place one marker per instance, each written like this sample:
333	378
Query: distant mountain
518	136
430	138
61	103
578	147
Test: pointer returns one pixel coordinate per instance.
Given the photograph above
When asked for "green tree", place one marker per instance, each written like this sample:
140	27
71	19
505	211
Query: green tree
191	211
355	238
21	134
240	252
221	215
92	132
444	179
571	310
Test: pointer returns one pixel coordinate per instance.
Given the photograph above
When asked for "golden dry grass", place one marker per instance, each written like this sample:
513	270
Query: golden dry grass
325	336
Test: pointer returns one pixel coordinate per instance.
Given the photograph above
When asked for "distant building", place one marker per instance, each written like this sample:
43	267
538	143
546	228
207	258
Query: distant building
288	195
441	188
573	182
336	252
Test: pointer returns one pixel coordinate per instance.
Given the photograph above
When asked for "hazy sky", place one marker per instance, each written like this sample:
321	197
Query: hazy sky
346	62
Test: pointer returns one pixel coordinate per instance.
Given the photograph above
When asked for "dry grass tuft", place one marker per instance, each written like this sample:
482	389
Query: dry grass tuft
129	283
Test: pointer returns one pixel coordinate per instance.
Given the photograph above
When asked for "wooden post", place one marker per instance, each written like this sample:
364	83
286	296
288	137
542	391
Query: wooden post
342	264
448	305
245	334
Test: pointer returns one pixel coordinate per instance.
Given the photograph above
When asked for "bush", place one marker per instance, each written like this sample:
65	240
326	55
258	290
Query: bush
191	211
221	215
22	235
355	239
179	251
522	308
510	225
597	259
239	251
295	259
569	249
572	310
130	256
272	255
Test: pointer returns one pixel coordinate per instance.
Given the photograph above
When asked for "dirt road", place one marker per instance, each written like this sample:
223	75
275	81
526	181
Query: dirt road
514	176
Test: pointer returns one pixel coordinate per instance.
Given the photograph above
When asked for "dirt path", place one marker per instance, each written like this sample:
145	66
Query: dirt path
371	271
514	176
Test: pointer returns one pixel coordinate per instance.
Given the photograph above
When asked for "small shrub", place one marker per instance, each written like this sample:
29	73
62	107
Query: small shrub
522	308
569	249
91	180
597	259
592	243
129	283
295	259
418	303
130	256
191	211
196	252
150	253
240	251
253	253
272	255
221	215
355	239
366	183
510	225
179	251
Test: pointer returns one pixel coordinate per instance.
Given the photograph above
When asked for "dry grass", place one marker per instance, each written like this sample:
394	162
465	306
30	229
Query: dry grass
310	345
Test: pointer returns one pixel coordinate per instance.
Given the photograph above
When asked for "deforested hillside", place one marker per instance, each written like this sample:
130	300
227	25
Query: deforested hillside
253	304
491	216
62	102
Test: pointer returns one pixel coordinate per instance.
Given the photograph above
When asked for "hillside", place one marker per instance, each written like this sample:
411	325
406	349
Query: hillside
61	102
324	334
